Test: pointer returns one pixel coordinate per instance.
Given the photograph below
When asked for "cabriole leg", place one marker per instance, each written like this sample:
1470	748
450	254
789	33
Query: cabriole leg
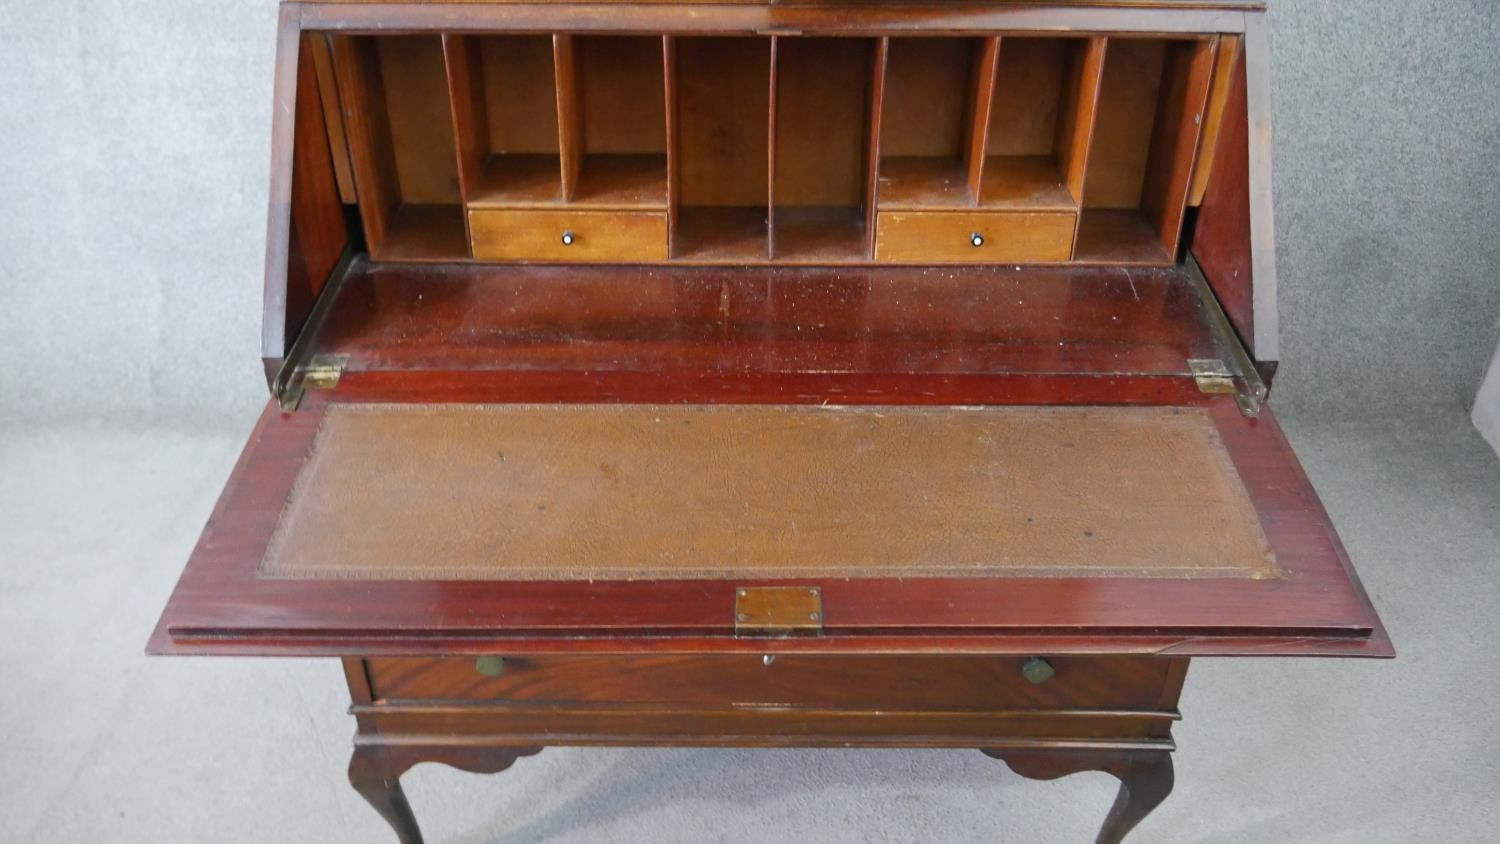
1145	782
1145	779
380	785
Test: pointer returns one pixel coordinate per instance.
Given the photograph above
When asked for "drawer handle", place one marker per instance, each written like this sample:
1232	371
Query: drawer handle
567	238
490	666
1037	670
976	239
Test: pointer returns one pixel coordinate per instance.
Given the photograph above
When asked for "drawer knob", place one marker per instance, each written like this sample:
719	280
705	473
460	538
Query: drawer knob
490	666
976	239
567	238
1038	670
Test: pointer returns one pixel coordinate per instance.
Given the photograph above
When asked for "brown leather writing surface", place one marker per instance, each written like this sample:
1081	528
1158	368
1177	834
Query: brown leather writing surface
624	492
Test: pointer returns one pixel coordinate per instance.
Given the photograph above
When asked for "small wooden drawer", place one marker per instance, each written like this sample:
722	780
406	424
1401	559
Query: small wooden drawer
974	236
583	236
947	682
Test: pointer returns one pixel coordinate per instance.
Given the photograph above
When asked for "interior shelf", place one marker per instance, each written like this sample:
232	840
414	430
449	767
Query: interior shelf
1025	182
425	233
720	234
622	180
517	180
1118	237
815	234
912	183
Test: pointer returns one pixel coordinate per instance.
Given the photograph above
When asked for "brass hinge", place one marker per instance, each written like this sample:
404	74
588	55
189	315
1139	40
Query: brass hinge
322	372
778	611
1212	376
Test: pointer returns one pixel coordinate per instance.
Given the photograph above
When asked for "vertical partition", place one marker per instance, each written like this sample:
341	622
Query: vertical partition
1188	77
401	142
981	104
721	153
569	113
878	64
673	130
821	119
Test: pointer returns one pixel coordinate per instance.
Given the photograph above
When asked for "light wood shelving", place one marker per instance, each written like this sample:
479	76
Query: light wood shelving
1016	148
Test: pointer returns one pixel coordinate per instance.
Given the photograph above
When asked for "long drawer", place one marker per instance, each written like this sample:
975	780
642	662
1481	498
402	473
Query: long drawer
974	236
581	236
947	682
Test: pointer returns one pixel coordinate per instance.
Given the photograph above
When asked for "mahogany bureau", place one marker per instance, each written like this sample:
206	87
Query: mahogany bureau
817	373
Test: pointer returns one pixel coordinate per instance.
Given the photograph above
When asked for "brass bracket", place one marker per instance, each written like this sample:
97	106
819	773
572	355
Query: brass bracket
1212	376
1233	367
291	379
778	611
321	373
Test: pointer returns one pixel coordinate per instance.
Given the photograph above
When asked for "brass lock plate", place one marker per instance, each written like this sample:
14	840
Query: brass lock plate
778	611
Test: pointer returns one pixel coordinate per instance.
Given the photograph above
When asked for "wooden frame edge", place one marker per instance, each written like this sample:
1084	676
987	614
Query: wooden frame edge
1267	341
274	339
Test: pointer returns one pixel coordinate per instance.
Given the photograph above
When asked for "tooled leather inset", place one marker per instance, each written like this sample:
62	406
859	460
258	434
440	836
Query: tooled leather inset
656	492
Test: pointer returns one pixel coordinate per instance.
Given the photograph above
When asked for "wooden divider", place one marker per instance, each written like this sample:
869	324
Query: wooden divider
569	114
1076	134
983	99
1153	97
1174	144
401	145
673	131
771	110
468	108
878	63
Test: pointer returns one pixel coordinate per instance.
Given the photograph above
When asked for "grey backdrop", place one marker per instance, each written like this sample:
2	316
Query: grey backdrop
133	154
133	164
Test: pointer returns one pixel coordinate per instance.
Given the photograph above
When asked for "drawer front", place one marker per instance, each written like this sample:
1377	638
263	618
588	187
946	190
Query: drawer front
583	236
835	682
951	236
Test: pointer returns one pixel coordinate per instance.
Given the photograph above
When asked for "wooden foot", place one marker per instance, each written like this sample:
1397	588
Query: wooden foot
1145	779
375	772
380	784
